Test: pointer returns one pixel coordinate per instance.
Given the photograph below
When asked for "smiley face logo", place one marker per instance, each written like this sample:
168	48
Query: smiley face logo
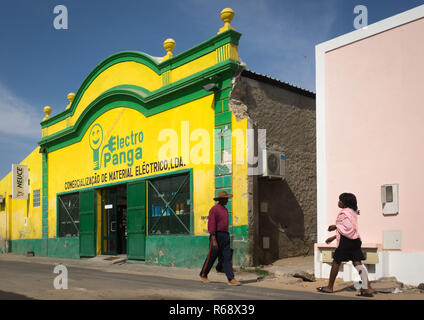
96	137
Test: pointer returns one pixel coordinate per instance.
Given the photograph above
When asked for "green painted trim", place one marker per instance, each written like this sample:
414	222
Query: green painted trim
240	232
223	182
51	247
135	97
57	216
64	247
225	106
191	251
222	143
221	170
44	196
230	36
222	118
124	56
159	175
191	204
179	251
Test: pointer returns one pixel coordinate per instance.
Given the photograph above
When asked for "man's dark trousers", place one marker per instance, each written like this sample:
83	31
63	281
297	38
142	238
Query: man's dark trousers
224	251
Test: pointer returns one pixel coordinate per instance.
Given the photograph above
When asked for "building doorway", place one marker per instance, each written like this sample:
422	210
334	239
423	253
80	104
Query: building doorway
114	220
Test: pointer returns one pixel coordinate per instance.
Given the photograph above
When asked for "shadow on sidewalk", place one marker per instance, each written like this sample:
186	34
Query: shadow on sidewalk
13	296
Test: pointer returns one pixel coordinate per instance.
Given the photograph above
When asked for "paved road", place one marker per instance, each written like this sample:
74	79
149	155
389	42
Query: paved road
20	280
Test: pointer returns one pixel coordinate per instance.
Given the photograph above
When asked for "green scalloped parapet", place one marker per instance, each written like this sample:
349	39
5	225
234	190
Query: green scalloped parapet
229	36
138	98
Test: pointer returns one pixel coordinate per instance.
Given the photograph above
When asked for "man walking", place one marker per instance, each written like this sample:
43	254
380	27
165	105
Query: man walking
219	240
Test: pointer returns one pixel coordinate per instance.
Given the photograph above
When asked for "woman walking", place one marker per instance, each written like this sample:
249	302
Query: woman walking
348	244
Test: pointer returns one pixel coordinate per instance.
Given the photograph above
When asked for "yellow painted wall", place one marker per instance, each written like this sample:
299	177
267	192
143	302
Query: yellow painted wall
197	65
12	224
77	161
240	187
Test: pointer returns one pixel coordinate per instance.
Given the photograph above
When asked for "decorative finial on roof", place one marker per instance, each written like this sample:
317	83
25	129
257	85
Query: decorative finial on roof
226	16
71	97
47	111
169	45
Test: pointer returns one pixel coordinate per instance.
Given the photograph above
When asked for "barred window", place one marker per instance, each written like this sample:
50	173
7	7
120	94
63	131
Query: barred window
169	204
68	215
36	198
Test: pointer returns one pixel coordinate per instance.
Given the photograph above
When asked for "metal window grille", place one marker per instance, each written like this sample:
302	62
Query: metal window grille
36	198
68	215
169	204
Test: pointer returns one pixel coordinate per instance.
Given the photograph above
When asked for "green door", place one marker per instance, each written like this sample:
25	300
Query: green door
87	224
136	220
109	222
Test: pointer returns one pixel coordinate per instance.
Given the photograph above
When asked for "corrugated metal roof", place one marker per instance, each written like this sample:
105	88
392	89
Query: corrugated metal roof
270	80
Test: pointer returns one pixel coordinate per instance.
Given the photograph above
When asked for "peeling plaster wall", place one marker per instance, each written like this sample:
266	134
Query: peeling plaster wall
289	118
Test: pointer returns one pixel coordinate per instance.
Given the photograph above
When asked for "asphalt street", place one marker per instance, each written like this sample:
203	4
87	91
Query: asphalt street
31	280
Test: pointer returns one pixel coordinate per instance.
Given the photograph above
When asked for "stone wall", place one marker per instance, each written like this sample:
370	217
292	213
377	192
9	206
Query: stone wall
288	115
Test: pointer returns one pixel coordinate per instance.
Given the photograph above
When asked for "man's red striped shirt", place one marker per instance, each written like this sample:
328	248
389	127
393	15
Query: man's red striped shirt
218	219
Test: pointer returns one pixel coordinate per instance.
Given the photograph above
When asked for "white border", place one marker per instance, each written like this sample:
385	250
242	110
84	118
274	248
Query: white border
320	51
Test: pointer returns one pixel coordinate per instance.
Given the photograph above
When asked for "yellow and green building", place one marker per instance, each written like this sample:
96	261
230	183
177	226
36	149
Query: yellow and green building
131	165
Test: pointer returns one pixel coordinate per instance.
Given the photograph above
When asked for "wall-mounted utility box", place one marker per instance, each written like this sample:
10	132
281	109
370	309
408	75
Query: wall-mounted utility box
392	240
264	207
390	198
265	242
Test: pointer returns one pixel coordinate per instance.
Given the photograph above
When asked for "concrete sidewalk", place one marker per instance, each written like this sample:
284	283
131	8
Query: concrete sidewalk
290	266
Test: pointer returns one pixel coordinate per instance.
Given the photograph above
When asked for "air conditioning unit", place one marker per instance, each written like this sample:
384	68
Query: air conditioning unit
273	164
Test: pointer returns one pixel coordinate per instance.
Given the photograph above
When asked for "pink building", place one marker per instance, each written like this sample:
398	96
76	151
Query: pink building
370	142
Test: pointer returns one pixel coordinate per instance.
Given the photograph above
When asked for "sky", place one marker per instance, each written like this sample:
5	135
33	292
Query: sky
40	65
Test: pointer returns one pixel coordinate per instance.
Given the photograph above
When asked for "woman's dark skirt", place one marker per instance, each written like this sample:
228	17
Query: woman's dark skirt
349	250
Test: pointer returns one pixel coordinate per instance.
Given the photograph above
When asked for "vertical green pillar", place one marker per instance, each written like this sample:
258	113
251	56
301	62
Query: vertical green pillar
223	146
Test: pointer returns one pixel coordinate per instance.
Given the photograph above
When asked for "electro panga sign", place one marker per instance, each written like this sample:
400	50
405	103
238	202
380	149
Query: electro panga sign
120	150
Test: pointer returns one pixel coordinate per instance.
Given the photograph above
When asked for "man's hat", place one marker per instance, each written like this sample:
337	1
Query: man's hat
223	194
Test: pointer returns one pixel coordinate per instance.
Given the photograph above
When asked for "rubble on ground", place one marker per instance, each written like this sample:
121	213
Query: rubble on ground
305	276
